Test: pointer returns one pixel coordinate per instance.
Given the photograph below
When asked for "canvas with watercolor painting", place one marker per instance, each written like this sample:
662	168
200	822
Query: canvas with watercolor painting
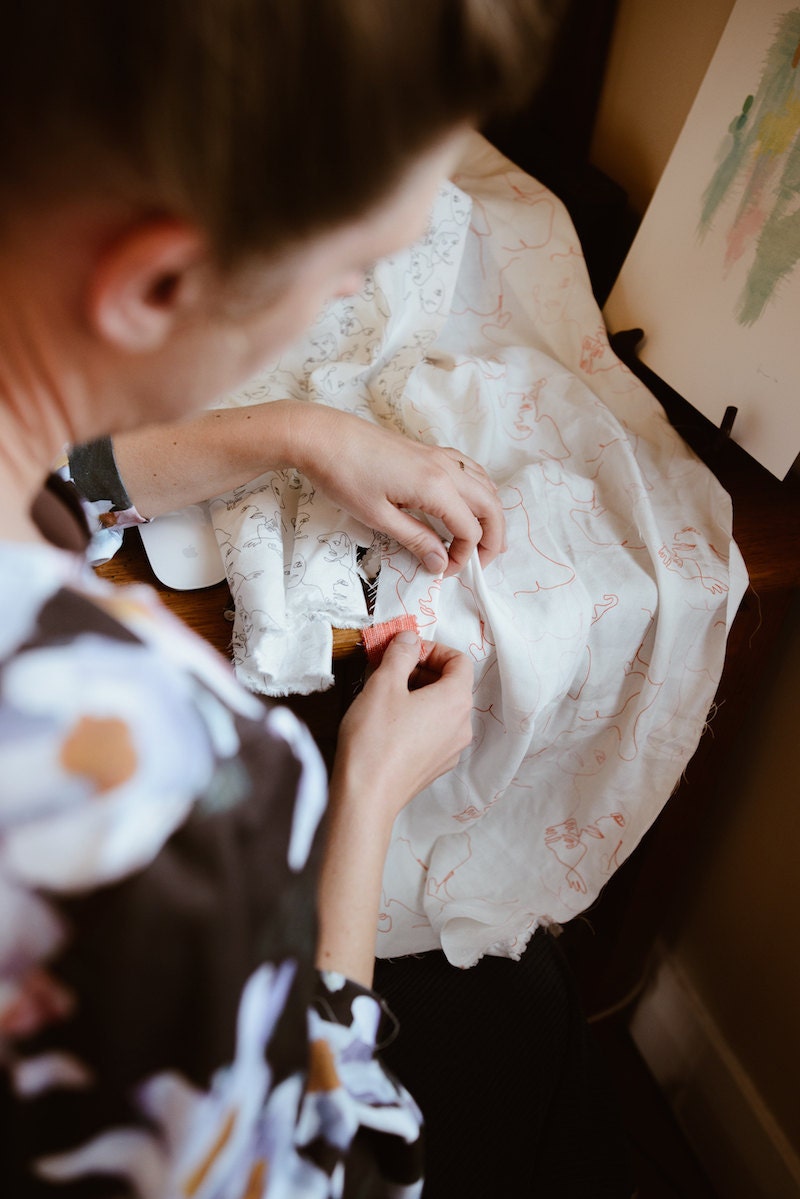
713	276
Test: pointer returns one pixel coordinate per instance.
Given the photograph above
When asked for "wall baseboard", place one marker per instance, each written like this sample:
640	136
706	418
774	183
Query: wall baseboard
741	1147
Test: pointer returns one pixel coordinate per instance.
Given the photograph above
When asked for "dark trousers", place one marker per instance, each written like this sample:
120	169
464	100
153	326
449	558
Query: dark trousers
502	1062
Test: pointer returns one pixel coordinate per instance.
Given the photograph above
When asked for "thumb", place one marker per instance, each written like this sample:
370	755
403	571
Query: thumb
402	654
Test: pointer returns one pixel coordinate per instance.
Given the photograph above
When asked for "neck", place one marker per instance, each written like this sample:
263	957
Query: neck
34	402
50	377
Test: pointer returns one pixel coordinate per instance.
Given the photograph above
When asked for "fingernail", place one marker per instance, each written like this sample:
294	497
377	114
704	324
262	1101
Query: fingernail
407	637
434	563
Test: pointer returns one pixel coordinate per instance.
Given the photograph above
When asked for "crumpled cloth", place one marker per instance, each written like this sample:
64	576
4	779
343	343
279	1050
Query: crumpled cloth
598	639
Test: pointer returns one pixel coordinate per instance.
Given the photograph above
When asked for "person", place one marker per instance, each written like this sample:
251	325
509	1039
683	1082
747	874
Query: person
185	965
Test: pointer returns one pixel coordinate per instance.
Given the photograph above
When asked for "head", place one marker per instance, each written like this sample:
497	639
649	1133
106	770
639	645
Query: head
224	158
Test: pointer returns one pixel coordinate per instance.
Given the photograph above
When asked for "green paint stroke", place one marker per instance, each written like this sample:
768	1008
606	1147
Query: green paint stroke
760	161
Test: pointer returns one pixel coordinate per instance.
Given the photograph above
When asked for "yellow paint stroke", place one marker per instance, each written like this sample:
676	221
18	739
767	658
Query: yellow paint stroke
778	130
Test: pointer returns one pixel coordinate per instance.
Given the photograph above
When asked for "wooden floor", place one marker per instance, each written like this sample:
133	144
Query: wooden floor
666	1167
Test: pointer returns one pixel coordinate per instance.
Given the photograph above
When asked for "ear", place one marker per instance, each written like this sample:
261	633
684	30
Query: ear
145	281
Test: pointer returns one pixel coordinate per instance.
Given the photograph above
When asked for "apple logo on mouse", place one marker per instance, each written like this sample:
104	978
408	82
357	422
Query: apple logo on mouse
190	551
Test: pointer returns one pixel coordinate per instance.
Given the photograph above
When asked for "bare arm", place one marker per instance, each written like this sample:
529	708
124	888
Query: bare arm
393	742
374	473
168	466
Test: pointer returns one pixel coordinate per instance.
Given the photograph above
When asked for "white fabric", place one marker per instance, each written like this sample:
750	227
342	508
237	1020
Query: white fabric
598	638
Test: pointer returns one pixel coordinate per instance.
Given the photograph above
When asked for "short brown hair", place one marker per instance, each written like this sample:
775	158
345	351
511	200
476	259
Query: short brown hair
262	120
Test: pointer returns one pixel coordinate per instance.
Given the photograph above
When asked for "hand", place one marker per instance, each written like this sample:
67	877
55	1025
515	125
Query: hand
377	474
408	726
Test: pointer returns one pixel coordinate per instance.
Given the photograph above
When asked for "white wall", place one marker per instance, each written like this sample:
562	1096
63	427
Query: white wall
658	57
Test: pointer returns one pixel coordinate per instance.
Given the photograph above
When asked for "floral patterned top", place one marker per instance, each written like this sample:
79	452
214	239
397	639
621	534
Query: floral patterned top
162	1029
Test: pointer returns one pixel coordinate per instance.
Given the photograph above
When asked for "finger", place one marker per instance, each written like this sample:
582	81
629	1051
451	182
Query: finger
417	665
401	657
470	510
469	466
493	541
484	524
472	515
444	660
442	663
446	677
461	550
486	532
417	537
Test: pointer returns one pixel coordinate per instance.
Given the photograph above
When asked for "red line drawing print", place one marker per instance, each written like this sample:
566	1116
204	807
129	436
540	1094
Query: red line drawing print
598	528
567	842
576	690
548	573
438	888
479	650
426	607
386	920
564	842
529	419
596	354
553	296
545	215
639	692
469	814
579	489
684	556
600	609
